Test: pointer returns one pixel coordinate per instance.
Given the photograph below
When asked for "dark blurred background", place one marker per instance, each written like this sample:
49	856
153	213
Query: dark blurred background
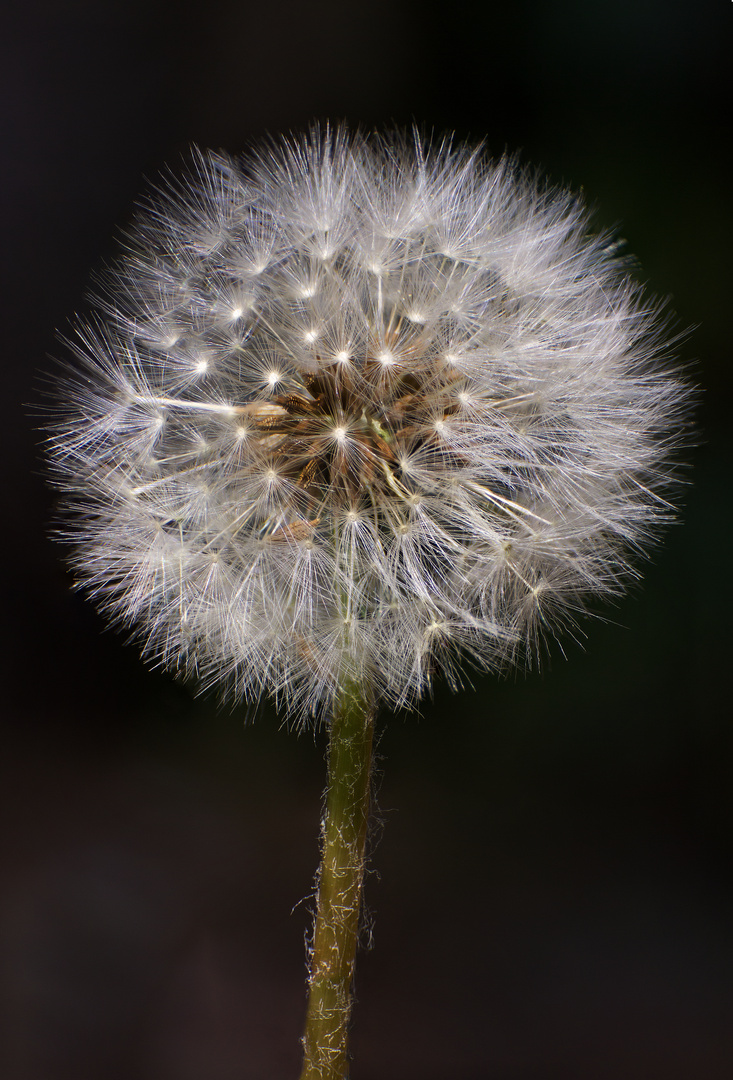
552	889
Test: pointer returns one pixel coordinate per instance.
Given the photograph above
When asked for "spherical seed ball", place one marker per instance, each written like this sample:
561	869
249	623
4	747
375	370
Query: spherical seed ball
355	408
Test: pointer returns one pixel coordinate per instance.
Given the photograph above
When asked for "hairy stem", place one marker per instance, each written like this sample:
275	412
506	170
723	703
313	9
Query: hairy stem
341	875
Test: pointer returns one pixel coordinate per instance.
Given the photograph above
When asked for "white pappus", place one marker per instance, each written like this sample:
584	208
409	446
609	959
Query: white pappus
361	407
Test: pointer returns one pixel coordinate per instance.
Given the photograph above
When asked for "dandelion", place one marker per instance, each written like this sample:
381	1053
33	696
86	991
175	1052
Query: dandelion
352	411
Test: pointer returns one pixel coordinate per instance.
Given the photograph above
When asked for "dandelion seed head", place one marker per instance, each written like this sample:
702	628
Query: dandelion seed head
362	406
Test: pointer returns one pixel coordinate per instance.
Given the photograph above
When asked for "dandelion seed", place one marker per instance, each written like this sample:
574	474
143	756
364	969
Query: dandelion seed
442	421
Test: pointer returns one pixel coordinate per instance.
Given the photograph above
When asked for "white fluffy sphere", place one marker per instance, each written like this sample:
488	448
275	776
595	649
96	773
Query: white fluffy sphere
356	408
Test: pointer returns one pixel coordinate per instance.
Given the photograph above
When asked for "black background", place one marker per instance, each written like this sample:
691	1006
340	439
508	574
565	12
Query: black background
552	888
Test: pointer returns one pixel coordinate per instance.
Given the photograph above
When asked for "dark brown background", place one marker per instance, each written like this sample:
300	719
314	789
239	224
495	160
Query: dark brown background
552	889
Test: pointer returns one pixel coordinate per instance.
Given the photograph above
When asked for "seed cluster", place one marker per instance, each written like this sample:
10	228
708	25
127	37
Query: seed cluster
353	408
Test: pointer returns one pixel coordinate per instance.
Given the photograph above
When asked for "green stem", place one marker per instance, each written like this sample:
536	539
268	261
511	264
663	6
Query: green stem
340	881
